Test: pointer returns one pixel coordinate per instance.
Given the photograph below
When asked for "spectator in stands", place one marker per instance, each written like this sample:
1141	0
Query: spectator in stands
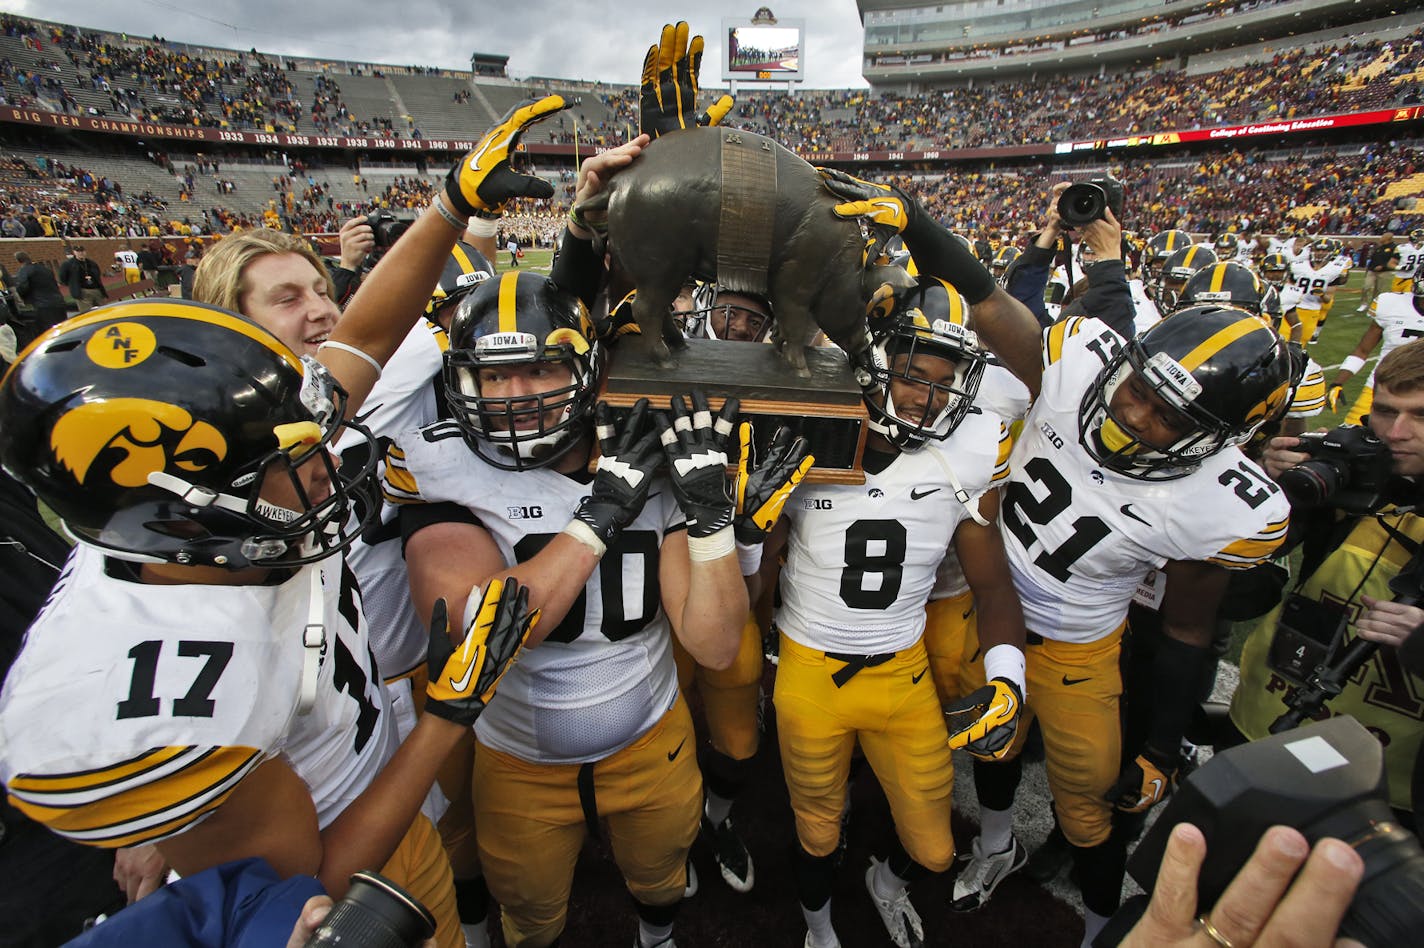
84	279
38	288
12	227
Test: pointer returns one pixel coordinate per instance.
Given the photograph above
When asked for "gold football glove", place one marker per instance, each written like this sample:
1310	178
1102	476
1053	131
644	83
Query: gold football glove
484	180
986	721
1332	397
1143	783
668	96
762	489
463	680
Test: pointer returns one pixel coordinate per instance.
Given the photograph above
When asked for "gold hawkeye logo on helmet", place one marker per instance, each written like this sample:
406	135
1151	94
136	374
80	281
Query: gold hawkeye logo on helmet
151	434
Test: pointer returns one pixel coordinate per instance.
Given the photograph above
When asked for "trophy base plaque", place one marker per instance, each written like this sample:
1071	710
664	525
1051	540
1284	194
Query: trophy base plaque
826	408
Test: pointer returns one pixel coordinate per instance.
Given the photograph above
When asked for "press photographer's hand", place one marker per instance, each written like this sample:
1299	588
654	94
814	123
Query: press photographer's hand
1388	622
1279	457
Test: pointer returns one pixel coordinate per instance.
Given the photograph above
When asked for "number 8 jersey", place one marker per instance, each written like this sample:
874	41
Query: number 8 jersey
1080	537
861	559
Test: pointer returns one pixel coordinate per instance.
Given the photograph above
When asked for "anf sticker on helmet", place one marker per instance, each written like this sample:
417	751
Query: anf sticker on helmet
121	345
151	434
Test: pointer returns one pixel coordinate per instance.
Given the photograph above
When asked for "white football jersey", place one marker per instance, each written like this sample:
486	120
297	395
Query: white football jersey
1145	312
861	558
1002	394
1308	399
605	674
1245	250
1410	257
127	259
1400	322
1080	537
134	710
403	399
1313	281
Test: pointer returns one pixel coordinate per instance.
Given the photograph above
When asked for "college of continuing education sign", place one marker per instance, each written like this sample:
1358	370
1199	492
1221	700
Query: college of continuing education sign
1313	123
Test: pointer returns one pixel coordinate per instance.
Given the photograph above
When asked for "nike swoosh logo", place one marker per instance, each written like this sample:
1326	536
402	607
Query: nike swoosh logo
967	613
915	680
464	681
916	494
672	754
1127	512
361	418
1156	793
1075	681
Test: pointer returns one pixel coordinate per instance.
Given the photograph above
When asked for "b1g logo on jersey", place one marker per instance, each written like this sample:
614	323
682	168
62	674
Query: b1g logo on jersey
816	503
532	512
1052	436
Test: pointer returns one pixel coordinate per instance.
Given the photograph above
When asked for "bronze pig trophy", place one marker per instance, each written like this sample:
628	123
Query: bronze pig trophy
738	208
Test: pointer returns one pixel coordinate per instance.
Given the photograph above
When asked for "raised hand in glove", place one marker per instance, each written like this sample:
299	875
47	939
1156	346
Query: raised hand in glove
668	97
620	484
1332	397
1143	783
761	489
985	722
463	680
484	180
696	448
881	204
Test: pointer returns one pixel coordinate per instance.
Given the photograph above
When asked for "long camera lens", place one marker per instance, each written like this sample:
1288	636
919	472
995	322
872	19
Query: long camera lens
376	913
1081	204
1309	483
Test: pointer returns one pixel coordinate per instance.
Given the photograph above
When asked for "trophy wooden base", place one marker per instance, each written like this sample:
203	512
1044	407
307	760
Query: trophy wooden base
826	408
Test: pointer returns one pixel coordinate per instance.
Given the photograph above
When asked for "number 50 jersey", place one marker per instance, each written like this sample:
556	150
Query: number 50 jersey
1080	537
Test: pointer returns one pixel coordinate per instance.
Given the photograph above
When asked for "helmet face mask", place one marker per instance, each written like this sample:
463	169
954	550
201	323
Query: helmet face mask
1274	269
521	371
1223	397
924	351
210	447
1320	251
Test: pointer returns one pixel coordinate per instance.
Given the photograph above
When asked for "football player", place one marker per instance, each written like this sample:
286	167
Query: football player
1003	259
1177	269
594	727
860	563
1316	276
1397	318
1411	257
210	408
262	508
1159	247
1114	420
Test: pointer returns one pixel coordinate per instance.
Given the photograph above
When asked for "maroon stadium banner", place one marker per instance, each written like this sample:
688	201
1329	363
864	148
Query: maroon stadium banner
1314	123
89	123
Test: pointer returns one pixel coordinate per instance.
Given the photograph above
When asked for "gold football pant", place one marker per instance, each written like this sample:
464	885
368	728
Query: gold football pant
419	866
1363	403
731	696
533	820
1309	318
1074	689
823	705
952	641
1402	285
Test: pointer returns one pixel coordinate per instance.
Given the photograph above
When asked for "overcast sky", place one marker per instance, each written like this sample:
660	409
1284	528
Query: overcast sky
573	39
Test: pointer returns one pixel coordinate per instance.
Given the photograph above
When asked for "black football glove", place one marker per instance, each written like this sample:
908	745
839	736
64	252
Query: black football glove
484	180
762	489
1143	783
696	449
462	681
668	96
625	472
985	722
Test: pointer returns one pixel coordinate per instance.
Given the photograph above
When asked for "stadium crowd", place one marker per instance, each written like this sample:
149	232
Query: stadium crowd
459	676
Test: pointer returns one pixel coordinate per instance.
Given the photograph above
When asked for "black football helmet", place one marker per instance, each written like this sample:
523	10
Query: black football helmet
1321	251
1177	269
1224	284
1003	260
929	318
1159	248
153	428
521	318
1226	371
1226	245
465	269
1274	268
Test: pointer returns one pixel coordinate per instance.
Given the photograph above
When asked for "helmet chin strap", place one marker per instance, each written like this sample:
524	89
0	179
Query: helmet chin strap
313	640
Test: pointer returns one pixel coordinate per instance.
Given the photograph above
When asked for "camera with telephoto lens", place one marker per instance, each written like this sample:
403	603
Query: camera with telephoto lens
1324	779
376	913
1081	204
1349	469
387	228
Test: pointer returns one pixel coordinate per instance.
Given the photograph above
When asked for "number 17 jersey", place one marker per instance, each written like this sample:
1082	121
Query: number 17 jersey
1080	537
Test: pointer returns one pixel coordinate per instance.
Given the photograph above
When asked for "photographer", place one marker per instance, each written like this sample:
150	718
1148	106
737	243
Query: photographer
357	241
1342	589
1108	296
